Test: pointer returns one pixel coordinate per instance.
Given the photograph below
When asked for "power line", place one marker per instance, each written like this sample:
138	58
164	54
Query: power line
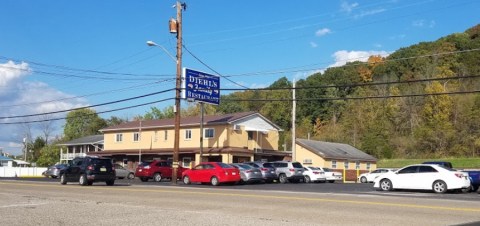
102	112
90	106
193	55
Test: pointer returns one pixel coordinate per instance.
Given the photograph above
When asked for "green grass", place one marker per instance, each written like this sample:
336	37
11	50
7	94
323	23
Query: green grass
458	163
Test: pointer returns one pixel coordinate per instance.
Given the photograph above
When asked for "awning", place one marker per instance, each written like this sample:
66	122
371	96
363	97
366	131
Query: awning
20	162
247	128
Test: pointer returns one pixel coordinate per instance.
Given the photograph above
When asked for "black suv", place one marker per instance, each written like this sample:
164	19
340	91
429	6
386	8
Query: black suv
89	169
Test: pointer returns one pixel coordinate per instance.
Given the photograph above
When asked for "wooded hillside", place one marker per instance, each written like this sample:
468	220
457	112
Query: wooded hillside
389	107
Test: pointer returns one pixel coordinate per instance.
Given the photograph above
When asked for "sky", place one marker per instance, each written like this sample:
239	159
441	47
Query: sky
59	55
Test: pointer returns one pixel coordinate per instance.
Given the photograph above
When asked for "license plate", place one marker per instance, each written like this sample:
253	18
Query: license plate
103	169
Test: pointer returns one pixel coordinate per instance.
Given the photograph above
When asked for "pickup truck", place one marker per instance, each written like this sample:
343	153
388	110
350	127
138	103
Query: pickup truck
473	175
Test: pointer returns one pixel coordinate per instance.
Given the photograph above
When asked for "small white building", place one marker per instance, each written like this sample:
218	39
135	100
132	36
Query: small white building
6	161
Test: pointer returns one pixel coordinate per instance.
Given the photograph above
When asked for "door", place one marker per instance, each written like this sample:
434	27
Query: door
426	176
74	170
405	178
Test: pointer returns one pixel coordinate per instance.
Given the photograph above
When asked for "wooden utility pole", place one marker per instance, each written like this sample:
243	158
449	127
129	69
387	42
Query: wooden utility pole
294	109
176	145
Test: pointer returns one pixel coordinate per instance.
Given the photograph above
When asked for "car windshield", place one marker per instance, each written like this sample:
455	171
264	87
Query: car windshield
101	162
245	166
144	163
327	170
314	168
223	165
297	165
447	168
267	164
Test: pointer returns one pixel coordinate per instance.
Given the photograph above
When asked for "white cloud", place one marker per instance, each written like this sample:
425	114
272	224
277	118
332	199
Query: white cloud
313	45
347	7
368	13
343	56
322	32
424	23
21	97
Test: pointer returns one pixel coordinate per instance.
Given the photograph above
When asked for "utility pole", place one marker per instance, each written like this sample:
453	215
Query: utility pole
294	107
202	110
176	145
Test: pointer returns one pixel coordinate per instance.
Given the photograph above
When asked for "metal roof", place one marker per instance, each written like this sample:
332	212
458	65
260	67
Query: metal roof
331	150
4	158
94	139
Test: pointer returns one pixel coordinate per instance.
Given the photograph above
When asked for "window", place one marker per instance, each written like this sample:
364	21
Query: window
427	169
410	169
334	164
136	137
209	133
346	165
307	161
368	166
188	134
118	137
186	162
165	135
250	135
357	165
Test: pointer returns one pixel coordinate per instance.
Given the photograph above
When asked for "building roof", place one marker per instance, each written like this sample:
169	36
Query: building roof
94	139
209	120
330	150
4	158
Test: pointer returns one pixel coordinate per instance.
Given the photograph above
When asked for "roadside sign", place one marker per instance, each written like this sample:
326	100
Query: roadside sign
200	86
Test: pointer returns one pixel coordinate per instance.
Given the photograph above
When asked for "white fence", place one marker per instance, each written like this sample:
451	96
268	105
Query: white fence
21	171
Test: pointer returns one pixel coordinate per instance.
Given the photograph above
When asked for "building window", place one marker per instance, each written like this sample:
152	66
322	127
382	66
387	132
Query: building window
346	164
334	164
188	134
186	162
250	135
118	137
368	166
357	165
209	133
307	161
165	135
136	137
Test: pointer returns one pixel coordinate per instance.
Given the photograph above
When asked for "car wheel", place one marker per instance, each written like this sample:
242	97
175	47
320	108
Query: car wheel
53	177
214	181
282	178
131	176
143	179
186	180
63	180
439	186
474	188
110	182
83	180
363	179
331	181
90	183
386	185
307	179
157	177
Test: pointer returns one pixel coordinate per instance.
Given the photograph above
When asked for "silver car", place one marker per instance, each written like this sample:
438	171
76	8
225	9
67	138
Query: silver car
248	173
267	169
54	171
121	172
289	171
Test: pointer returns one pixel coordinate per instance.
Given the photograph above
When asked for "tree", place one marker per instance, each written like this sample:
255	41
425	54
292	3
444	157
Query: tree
49	155
82	122
114	120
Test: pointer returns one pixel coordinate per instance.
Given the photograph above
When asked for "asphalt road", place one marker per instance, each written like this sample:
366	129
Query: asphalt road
46	202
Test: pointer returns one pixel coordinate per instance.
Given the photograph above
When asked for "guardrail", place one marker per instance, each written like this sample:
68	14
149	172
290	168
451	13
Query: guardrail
21	171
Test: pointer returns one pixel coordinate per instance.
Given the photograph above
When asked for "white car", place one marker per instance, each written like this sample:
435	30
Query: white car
423	177
369	177
313	174
331	176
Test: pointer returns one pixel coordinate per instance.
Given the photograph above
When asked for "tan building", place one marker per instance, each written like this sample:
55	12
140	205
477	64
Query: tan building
230	138
336	156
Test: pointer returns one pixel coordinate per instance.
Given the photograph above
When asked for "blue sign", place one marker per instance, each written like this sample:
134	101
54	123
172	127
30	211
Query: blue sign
200	86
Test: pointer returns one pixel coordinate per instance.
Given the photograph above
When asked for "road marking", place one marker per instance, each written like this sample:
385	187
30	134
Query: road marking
170	190
23	205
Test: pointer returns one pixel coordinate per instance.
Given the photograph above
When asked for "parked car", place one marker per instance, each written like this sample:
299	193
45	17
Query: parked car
248	173
123	172
54	171
332	176
473	175
423	177
288	171
214	173
313	174
156	170
89	169
267	169
369	177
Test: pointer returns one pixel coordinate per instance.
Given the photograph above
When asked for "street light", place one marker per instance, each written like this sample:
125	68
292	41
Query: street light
152	43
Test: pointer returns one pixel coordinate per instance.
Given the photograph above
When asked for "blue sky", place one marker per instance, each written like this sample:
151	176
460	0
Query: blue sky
49	49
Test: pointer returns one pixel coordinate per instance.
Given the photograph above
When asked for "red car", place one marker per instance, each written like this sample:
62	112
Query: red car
156	170
211	172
